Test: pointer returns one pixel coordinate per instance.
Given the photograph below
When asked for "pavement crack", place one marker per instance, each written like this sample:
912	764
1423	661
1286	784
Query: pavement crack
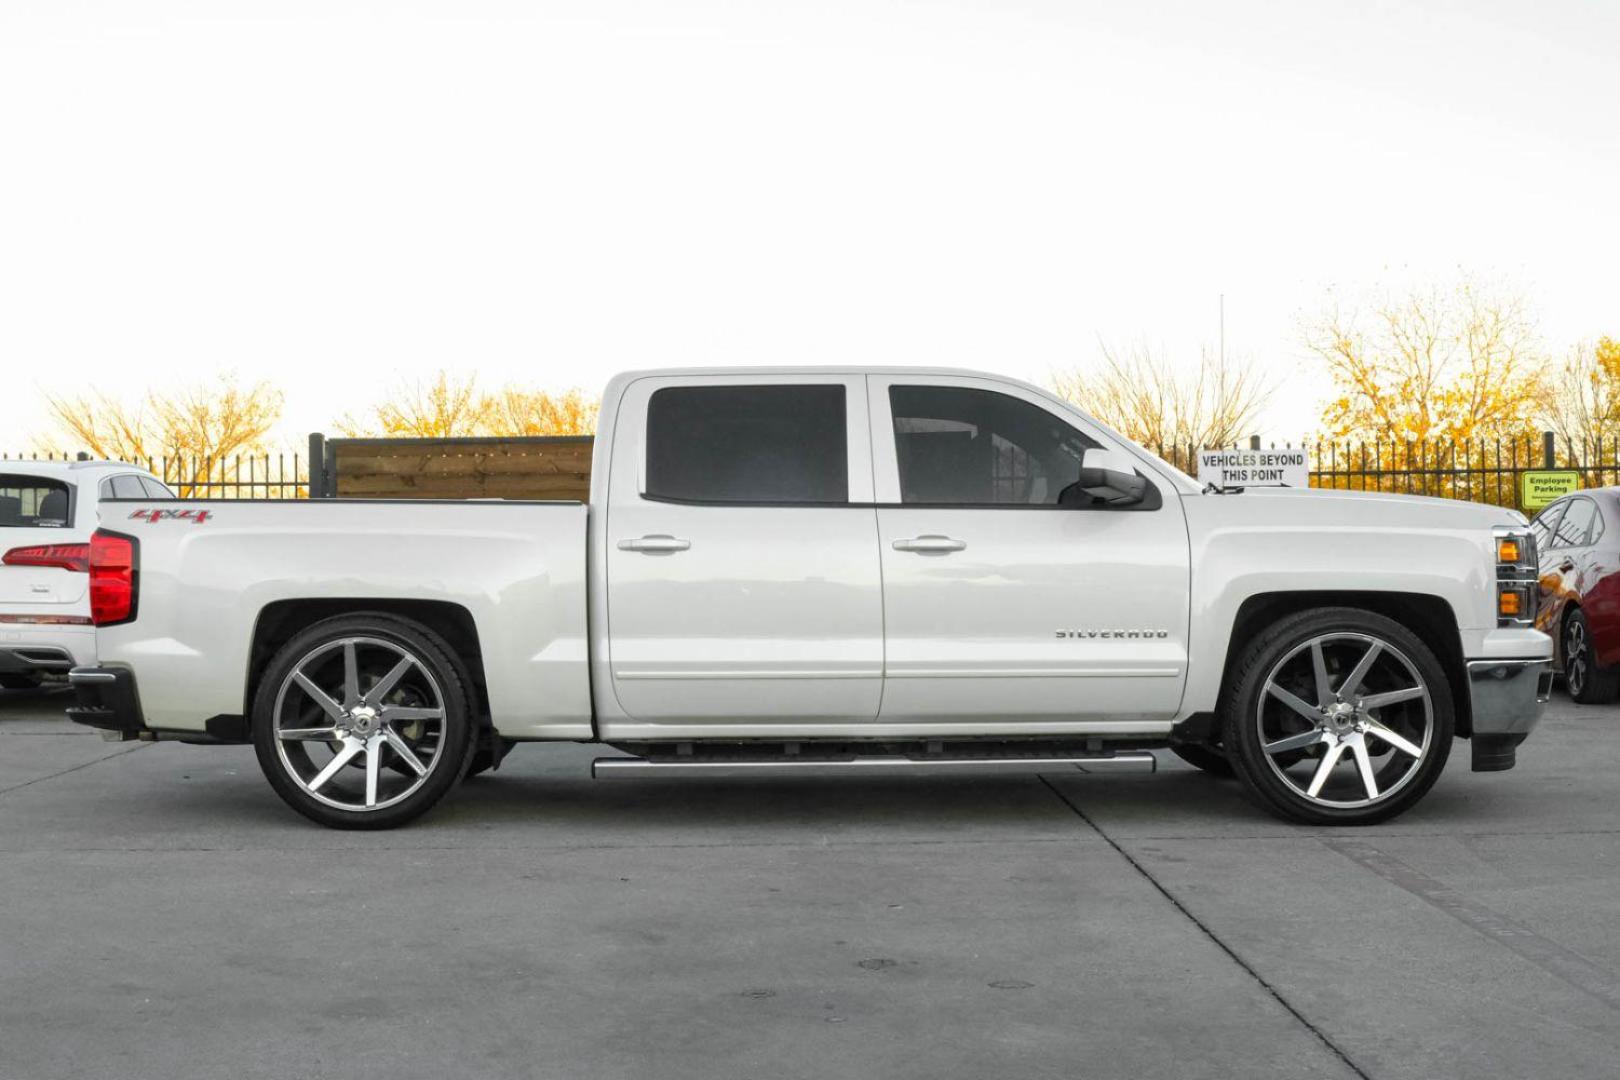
75	768
1276	995
1564	964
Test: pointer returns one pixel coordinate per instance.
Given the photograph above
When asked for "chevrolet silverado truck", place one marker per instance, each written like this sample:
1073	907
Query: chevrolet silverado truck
789	572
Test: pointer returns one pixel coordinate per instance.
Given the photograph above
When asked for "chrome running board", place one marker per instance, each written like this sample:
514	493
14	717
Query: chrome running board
877	765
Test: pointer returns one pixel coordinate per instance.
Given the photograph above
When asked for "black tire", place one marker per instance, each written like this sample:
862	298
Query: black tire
1424	721
20	682
453	740
1210	759
1587	683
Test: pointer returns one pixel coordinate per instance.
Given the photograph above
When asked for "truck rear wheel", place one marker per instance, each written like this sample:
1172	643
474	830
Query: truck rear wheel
362	722
1337	716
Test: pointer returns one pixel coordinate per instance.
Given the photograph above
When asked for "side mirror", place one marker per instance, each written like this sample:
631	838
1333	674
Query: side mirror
1112	477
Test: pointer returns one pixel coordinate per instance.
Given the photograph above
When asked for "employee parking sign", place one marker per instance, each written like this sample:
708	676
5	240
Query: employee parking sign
1538	487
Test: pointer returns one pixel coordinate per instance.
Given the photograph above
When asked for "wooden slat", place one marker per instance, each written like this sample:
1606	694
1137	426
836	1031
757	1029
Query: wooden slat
456	469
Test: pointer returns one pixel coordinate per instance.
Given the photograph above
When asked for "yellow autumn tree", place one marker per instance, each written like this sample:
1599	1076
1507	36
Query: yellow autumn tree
1439	378
517	411
1169	408
189	434
455	407
1582	401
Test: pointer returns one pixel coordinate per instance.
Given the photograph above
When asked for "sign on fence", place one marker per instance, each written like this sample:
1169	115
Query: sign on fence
1541	486
1253	468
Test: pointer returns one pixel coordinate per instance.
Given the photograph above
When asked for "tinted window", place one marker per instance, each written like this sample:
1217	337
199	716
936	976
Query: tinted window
1577	522
1544	523
748	444
155	490
33	502
979	448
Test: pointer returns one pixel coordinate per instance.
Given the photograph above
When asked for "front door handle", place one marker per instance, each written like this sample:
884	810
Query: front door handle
658	544
930	545
1566	566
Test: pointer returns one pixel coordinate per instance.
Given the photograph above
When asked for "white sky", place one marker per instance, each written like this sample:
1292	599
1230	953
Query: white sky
341	195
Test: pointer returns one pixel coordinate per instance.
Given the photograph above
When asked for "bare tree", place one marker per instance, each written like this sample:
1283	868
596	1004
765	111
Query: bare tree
1152	401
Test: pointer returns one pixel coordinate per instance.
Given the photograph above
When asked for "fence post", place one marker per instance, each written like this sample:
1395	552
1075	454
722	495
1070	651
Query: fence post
1254	442
1549	450
317	465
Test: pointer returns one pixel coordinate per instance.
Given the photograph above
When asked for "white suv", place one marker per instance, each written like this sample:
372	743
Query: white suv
47	513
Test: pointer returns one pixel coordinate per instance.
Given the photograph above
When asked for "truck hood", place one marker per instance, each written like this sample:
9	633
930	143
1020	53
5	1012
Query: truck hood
1372	509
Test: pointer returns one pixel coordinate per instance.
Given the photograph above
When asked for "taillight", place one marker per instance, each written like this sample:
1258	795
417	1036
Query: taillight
61	556
112	579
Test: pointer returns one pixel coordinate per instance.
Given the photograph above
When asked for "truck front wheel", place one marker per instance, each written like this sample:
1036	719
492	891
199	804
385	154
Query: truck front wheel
1337	716
361	722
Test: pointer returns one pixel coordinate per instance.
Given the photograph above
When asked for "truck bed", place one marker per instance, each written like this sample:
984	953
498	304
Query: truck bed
514	570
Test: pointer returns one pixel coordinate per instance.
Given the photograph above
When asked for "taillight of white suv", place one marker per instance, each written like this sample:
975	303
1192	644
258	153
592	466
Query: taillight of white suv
58	556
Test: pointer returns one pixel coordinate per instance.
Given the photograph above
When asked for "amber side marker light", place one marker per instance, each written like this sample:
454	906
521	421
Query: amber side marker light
1509	604
1508	550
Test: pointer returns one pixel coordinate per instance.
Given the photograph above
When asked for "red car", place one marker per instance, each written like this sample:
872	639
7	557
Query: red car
1578	538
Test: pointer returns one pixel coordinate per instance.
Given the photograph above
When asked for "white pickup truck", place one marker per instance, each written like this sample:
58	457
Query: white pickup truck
812	571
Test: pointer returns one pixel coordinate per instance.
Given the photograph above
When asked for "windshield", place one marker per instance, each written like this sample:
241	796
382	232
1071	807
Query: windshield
33	502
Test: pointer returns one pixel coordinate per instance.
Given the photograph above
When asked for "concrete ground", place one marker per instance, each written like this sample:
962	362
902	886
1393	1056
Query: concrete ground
162	914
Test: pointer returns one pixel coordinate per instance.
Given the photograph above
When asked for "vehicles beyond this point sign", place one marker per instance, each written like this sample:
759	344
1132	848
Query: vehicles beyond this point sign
1253	468
1540	487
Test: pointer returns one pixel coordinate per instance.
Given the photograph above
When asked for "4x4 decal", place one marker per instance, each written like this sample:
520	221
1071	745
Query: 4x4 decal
196	517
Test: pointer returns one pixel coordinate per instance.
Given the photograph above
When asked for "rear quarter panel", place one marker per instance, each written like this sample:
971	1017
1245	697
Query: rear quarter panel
517	568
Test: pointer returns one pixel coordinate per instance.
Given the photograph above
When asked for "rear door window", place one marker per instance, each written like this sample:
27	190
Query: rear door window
155	490
34	502
748	444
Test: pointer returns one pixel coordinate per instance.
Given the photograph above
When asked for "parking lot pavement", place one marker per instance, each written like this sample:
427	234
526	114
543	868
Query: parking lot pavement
163	915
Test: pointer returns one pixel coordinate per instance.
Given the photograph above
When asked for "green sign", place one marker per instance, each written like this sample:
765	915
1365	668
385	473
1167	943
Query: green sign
1542	486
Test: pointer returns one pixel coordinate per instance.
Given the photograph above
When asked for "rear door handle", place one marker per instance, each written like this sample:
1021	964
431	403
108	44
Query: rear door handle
930	545
1566	566
658	544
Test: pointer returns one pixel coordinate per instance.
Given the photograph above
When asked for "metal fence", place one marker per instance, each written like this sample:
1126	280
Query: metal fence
1474	470
238	476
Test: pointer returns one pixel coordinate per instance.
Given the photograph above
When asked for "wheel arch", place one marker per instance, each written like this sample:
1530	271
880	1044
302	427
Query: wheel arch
1430	617
279	622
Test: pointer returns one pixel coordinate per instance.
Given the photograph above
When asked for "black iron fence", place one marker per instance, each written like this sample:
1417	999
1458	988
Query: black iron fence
236	476
1474	470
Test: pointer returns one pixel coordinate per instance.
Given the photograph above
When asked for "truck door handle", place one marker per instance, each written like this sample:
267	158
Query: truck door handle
658	544
1566	566
930	545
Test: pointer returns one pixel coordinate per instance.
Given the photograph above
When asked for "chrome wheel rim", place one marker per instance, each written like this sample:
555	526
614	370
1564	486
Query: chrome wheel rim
351	707
1575	657
1366	735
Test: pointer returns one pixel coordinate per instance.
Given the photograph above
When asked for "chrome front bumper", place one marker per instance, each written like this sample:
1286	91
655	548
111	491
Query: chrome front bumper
1508	696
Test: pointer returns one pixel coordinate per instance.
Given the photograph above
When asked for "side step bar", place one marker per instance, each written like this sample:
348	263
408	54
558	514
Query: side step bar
713	768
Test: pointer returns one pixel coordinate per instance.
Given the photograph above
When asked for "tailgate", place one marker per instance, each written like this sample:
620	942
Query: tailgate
29	586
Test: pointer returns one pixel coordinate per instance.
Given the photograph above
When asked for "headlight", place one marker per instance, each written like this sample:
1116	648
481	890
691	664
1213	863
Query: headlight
1516	573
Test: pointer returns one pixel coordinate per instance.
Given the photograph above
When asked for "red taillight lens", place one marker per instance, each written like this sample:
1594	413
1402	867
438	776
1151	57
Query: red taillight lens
112	579
60	556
